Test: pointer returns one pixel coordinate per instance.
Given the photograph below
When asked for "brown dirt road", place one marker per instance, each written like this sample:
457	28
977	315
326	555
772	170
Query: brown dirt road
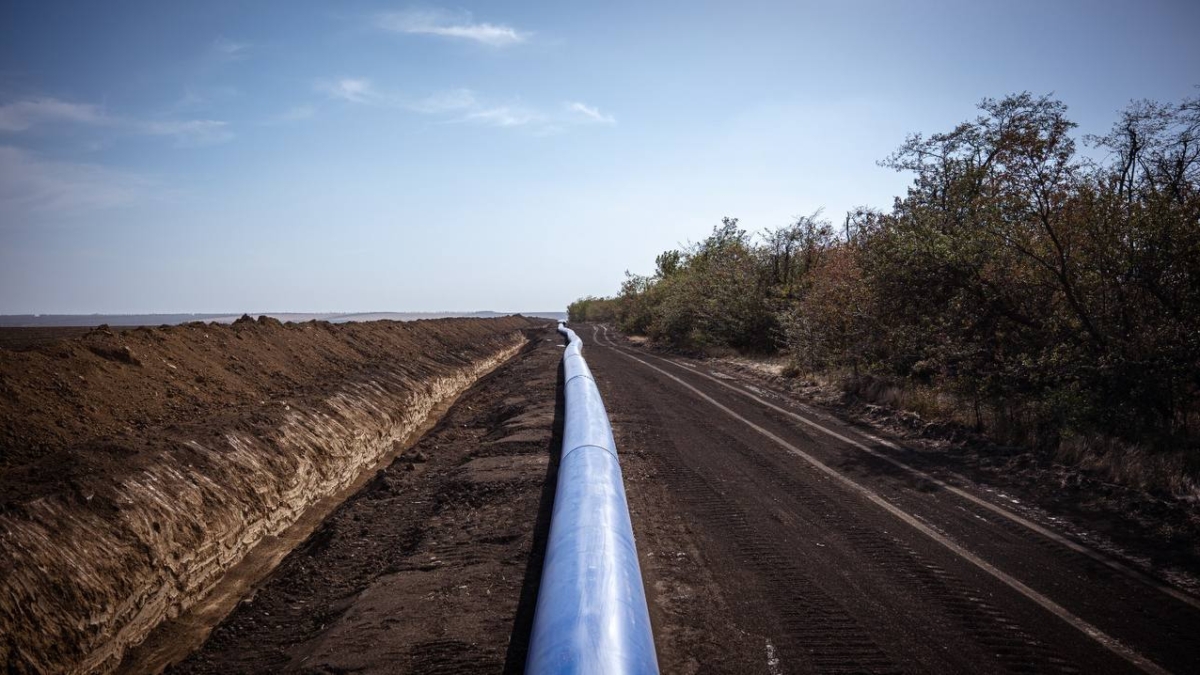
755	558
774	541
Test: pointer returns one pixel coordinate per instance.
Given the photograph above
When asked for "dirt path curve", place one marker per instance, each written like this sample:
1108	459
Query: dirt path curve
772	542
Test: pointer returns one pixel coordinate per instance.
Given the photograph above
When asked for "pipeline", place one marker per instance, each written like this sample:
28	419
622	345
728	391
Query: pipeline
591	614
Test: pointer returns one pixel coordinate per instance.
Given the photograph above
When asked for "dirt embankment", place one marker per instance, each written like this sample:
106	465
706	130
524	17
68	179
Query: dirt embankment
434	565
137	467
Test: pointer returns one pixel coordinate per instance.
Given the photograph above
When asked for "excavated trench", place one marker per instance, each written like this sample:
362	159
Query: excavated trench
139	468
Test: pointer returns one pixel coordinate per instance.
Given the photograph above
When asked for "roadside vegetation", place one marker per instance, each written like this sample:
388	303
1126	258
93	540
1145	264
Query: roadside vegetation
1045	296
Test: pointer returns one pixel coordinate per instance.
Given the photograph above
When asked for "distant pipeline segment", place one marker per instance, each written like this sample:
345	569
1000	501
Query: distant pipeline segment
591	614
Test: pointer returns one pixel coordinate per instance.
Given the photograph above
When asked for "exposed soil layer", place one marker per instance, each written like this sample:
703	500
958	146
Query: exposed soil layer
137	467
433	566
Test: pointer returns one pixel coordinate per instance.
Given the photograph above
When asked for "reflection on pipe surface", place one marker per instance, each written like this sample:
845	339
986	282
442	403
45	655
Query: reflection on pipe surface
591	612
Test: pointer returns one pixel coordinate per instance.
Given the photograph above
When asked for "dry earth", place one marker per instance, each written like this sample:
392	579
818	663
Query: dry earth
434	565
752	561
138	468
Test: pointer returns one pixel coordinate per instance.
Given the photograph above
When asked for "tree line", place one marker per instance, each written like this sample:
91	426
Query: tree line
1049	291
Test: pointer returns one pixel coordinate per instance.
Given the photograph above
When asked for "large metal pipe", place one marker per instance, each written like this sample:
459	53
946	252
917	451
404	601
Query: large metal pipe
591	614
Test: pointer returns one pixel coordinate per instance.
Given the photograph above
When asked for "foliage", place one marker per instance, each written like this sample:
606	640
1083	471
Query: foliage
1056	294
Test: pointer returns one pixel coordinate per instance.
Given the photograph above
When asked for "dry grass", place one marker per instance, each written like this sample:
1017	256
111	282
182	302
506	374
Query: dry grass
1108	459
1133	465
770	366
926	401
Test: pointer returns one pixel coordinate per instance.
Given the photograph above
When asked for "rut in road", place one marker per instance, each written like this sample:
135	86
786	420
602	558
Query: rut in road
813	624
818	629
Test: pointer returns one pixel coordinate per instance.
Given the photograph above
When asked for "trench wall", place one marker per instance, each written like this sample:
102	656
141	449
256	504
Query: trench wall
149	518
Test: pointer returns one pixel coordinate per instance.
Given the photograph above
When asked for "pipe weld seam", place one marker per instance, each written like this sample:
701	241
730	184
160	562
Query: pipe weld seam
588	445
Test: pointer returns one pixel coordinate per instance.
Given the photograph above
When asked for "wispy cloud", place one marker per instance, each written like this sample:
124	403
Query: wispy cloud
30	184
353	90
23	115
464	106
190	133
505	116
587	113
450	24
223	49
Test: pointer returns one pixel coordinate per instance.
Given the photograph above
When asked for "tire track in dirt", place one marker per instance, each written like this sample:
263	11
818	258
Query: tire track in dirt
803	557
811	622
1129	606
1014	647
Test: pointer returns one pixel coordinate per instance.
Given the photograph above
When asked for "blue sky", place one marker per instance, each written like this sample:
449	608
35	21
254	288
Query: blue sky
360	156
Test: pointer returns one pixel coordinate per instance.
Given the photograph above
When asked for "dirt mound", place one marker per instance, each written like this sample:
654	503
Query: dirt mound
137	467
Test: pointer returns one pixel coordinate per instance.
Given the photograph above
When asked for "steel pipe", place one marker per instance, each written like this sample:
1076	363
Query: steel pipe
591	614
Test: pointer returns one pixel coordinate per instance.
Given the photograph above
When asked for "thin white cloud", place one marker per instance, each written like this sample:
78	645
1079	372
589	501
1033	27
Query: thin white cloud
464	106
23	115
505	116
589	113
30	184
223	49
351	89
190	133
452	25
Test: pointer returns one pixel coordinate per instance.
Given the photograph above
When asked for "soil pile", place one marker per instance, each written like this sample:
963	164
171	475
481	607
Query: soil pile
137	467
